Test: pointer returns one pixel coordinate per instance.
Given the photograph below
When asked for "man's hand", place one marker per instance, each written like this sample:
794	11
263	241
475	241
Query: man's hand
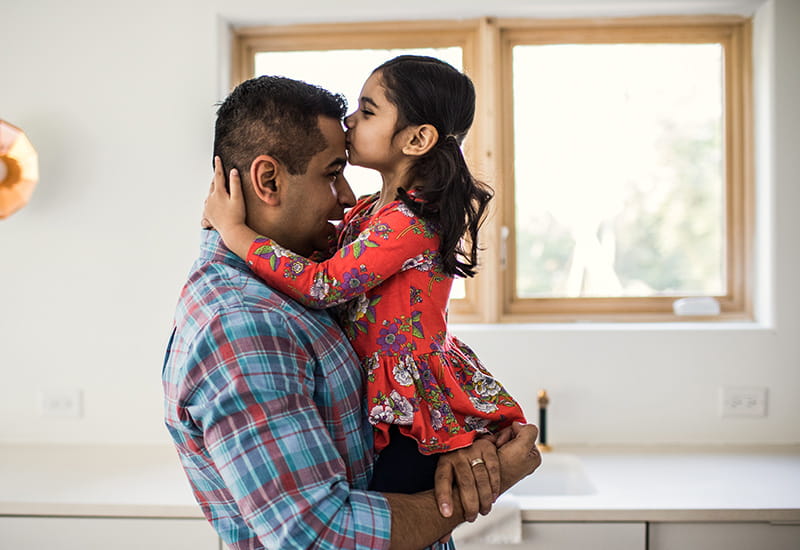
480	483
476	470
415	523
519	457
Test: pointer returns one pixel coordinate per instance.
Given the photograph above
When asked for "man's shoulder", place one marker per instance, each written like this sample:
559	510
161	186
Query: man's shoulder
218	292
224	288
223	306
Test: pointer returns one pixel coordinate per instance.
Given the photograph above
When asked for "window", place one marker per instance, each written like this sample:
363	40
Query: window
619	151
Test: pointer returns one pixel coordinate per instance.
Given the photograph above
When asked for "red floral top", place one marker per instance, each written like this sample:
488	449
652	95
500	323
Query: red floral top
388	276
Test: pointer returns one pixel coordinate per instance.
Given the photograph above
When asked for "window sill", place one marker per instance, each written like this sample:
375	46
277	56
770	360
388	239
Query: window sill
597	326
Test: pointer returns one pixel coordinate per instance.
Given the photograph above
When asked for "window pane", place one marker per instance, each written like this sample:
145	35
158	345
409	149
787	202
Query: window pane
459	289
344	71
619	170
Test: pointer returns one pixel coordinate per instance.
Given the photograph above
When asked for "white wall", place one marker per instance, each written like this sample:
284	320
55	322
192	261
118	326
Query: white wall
118	98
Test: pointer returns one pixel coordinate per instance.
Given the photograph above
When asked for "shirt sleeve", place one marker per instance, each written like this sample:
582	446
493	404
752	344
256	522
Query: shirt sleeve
264	434
395	240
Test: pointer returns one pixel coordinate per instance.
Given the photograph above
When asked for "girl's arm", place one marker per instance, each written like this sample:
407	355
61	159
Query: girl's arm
395	241
225	212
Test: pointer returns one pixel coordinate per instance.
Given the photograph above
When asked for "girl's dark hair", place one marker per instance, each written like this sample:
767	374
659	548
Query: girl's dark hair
426	90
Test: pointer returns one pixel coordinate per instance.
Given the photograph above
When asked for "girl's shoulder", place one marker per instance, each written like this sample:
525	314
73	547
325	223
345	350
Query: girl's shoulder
398	208
361	208
364	213
395	206
365	201
398	214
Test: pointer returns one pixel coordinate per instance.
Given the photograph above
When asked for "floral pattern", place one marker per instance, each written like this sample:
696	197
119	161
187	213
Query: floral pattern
390	341
390	293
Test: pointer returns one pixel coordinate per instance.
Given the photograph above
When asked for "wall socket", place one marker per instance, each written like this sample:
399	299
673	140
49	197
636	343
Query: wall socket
743	401
61	403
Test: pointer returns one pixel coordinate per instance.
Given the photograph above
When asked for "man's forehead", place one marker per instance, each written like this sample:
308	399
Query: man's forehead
334	153
330	126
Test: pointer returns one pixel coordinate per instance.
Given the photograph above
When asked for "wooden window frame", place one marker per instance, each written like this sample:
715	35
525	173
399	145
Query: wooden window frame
733	34
487	45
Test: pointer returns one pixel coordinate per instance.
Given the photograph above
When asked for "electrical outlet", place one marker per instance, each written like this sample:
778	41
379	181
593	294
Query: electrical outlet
61	403
741	401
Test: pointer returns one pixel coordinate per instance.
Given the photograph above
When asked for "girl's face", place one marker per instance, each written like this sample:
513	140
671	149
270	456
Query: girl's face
372	140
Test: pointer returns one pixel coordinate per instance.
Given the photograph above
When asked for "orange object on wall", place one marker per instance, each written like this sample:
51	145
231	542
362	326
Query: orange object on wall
19	169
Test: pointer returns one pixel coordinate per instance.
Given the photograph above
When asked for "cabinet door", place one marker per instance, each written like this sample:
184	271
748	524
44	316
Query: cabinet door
35	533
723	536
571	536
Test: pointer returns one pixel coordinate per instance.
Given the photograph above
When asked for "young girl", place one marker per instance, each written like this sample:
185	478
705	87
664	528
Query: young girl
399	251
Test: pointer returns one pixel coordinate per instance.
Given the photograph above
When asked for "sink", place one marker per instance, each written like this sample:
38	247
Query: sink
559	475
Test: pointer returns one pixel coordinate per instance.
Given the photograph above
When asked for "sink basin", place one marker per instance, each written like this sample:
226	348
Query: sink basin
559	474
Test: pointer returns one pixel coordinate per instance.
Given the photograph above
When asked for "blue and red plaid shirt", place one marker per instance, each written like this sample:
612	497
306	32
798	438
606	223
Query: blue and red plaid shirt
265	402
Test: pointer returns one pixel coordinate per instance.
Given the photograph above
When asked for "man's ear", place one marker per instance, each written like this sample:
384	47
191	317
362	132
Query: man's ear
420	139
264	172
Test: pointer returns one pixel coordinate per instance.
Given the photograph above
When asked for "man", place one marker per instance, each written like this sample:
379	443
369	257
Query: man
263	398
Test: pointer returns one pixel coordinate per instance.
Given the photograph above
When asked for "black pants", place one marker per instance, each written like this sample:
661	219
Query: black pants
401	468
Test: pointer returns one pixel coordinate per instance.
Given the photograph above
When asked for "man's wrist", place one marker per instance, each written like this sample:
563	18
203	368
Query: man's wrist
416	521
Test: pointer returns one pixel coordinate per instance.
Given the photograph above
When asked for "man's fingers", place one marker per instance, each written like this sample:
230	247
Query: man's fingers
484	488
503	438
470	500
443	488
493	471
532	428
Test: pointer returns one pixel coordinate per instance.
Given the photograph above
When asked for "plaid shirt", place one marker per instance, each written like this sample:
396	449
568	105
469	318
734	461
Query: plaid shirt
265	403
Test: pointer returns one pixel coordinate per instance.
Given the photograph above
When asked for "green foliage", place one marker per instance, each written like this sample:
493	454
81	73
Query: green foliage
668	238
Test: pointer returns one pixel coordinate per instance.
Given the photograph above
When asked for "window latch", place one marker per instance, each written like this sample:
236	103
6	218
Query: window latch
504	232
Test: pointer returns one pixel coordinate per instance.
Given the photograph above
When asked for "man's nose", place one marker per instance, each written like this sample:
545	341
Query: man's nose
344	192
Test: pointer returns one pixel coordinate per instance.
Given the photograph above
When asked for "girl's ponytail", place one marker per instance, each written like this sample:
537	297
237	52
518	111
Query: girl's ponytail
454	200
426	90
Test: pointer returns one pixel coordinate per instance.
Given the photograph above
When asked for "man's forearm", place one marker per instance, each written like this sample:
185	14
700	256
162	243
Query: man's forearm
416	521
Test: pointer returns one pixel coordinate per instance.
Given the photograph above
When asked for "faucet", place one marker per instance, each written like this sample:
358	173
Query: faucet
544	400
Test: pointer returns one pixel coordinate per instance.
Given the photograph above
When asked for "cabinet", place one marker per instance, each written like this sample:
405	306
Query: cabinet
572	536
723	536
67	533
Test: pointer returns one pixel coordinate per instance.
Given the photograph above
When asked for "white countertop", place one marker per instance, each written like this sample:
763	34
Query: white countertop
626	483
676	484
113	481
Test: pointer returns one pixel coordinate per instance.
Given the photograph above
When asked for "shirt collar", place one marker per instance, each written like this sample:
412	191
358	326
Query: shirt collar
214	250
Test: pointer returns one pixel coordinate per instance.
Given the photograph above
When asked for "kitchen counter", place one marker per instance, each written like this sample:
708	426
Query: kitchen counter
675	484
88	480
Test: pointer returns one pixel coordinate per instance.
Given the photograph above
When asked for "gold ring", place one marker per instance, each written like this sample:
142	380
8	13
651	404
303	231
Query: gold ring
475	461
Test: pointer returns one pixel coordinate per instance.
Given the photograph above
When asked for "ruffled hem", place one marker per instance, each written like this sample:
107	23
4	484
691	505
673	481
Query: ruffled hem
443	400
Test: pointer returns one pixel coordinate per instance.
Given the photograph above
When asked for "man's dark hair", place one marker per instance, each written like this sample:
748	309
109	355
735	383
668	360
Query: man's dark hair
277	116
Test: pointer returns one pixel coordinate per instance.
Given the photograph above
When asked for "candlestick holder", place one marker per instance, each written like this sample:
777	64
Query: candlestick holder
544	400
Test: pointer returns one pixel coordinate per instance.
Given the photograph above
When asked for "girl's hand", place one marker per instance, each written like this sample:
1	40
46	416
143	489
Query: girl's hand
224	211
476	470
